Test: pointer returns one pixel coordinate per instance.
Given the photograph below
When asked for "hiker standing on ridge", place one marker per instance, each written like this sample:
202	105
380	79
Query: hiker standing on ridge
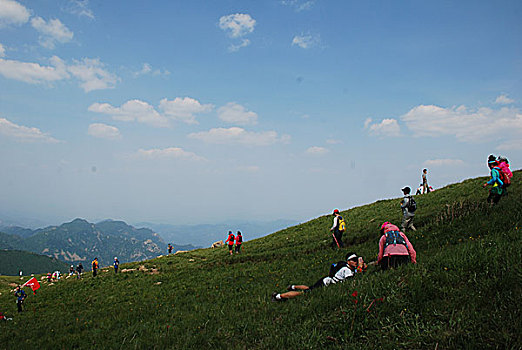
79	270
20	295
394	247
408	206
338	228
496	191
170	248
116	264
230	241
338	273
425	186
239	242
94	267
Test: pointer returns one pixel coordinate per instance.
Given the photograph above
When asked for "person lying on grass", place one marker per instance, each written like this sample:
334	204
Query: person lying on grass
338	273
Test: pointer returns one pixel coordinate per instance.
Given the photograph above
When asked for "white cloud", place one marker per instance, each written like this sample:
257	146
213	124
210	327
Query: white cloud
504	100
299	5
13	13
51	32
511	145
316	150
237	25
387	127
147	69
104	131
306	41
443	162
237	135
236	114
23	133
184	109
168	153
465	124
234	48
133	110
2	50
79	8
91	73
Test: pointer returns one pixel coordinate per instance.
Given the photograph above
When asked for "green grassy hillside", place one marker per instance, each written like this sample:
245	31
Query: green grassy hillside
464	293
12	261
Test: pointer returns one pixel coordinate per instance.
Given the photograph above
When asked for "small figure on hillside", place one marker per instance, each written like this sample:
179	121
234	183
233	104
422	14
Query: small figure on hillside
49	277
20	295
116	264
419	190
169	248
338	228
505	172
425	186
394	247
71	270
230	241
79	270
239	241
408	206
338	273
95	267
497	184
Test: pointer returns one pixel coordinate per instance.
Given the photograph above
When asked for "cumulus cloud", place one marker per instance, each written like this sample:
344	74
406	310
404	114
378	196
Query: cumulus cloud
468	125
317	151
23	133
90	73
387	127
504	100
104	131
13	13
79	8
130	111
306	41
51	32
147	69
237	26
184	109
443	162
234	113
168	153
236	135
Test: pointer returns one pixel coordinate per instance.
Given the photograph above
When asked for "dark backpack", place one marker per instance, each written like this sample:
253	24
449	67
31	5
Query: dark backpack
412	205
394	237
335	267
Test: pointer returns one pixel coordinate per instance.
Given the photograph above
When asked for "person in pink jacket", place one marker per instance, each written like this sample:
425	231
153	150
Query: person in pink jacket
394	247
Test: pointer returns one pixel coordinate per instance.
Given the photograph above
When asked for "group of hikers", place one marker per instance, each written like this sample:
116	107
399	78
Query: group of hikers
230	242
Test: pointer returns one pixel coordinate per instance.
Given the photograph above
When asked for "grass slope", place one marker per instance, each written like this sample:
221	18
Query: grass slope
12	261
464	292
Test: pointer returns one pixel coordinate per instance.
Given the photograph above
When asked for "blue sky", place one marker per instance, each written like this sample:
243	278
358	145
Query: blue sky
202	111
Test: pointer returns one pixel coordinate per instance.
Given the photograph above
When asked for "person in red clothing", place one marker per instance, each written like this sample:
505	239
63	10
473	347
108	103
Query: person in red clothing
394	247
230	241
239	241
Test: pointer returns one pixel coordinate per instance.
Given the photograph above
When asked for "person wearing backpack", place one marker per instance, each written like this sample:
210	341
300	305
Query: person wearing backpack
20	297
338	228
95	267
116	264
394	247
408	206
505	172
230	241
496	190
239	242
338	273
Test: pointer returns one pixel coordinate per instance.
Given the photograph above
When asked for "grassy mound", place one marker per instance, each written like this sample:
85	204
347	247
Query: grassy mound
463	293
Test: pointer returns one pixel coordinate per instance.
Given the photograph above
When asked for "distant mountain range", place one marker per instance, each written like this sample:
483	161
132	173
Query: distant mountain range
205	234
81	241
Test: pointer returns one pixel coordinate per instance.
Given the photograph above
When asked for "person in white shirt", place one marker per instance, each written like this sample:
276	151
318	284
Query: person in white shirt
338	273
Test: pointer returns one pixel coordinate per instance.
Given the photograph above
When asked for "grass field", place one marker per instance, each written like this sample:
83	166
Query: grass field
464	293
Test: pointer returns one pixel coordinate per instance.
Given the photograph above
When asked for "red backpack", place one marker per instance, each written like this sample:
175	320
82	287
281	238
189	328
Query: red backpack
503	176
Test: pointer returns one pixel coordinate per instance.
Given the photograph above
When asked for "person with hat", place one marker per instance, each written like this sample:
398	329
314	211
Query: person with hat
408	207
394	248
338	229
338	273
116	264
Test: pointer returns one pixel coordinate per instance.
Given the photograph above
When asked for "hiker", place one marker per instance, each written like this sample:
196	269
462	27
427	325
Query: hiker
408	207
339	226
505	172
94	267
419	190
338	273
394	247
170	248
79	270
49	277
116	264
239	241
497	184
71	270
20	295
425	187
230	241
